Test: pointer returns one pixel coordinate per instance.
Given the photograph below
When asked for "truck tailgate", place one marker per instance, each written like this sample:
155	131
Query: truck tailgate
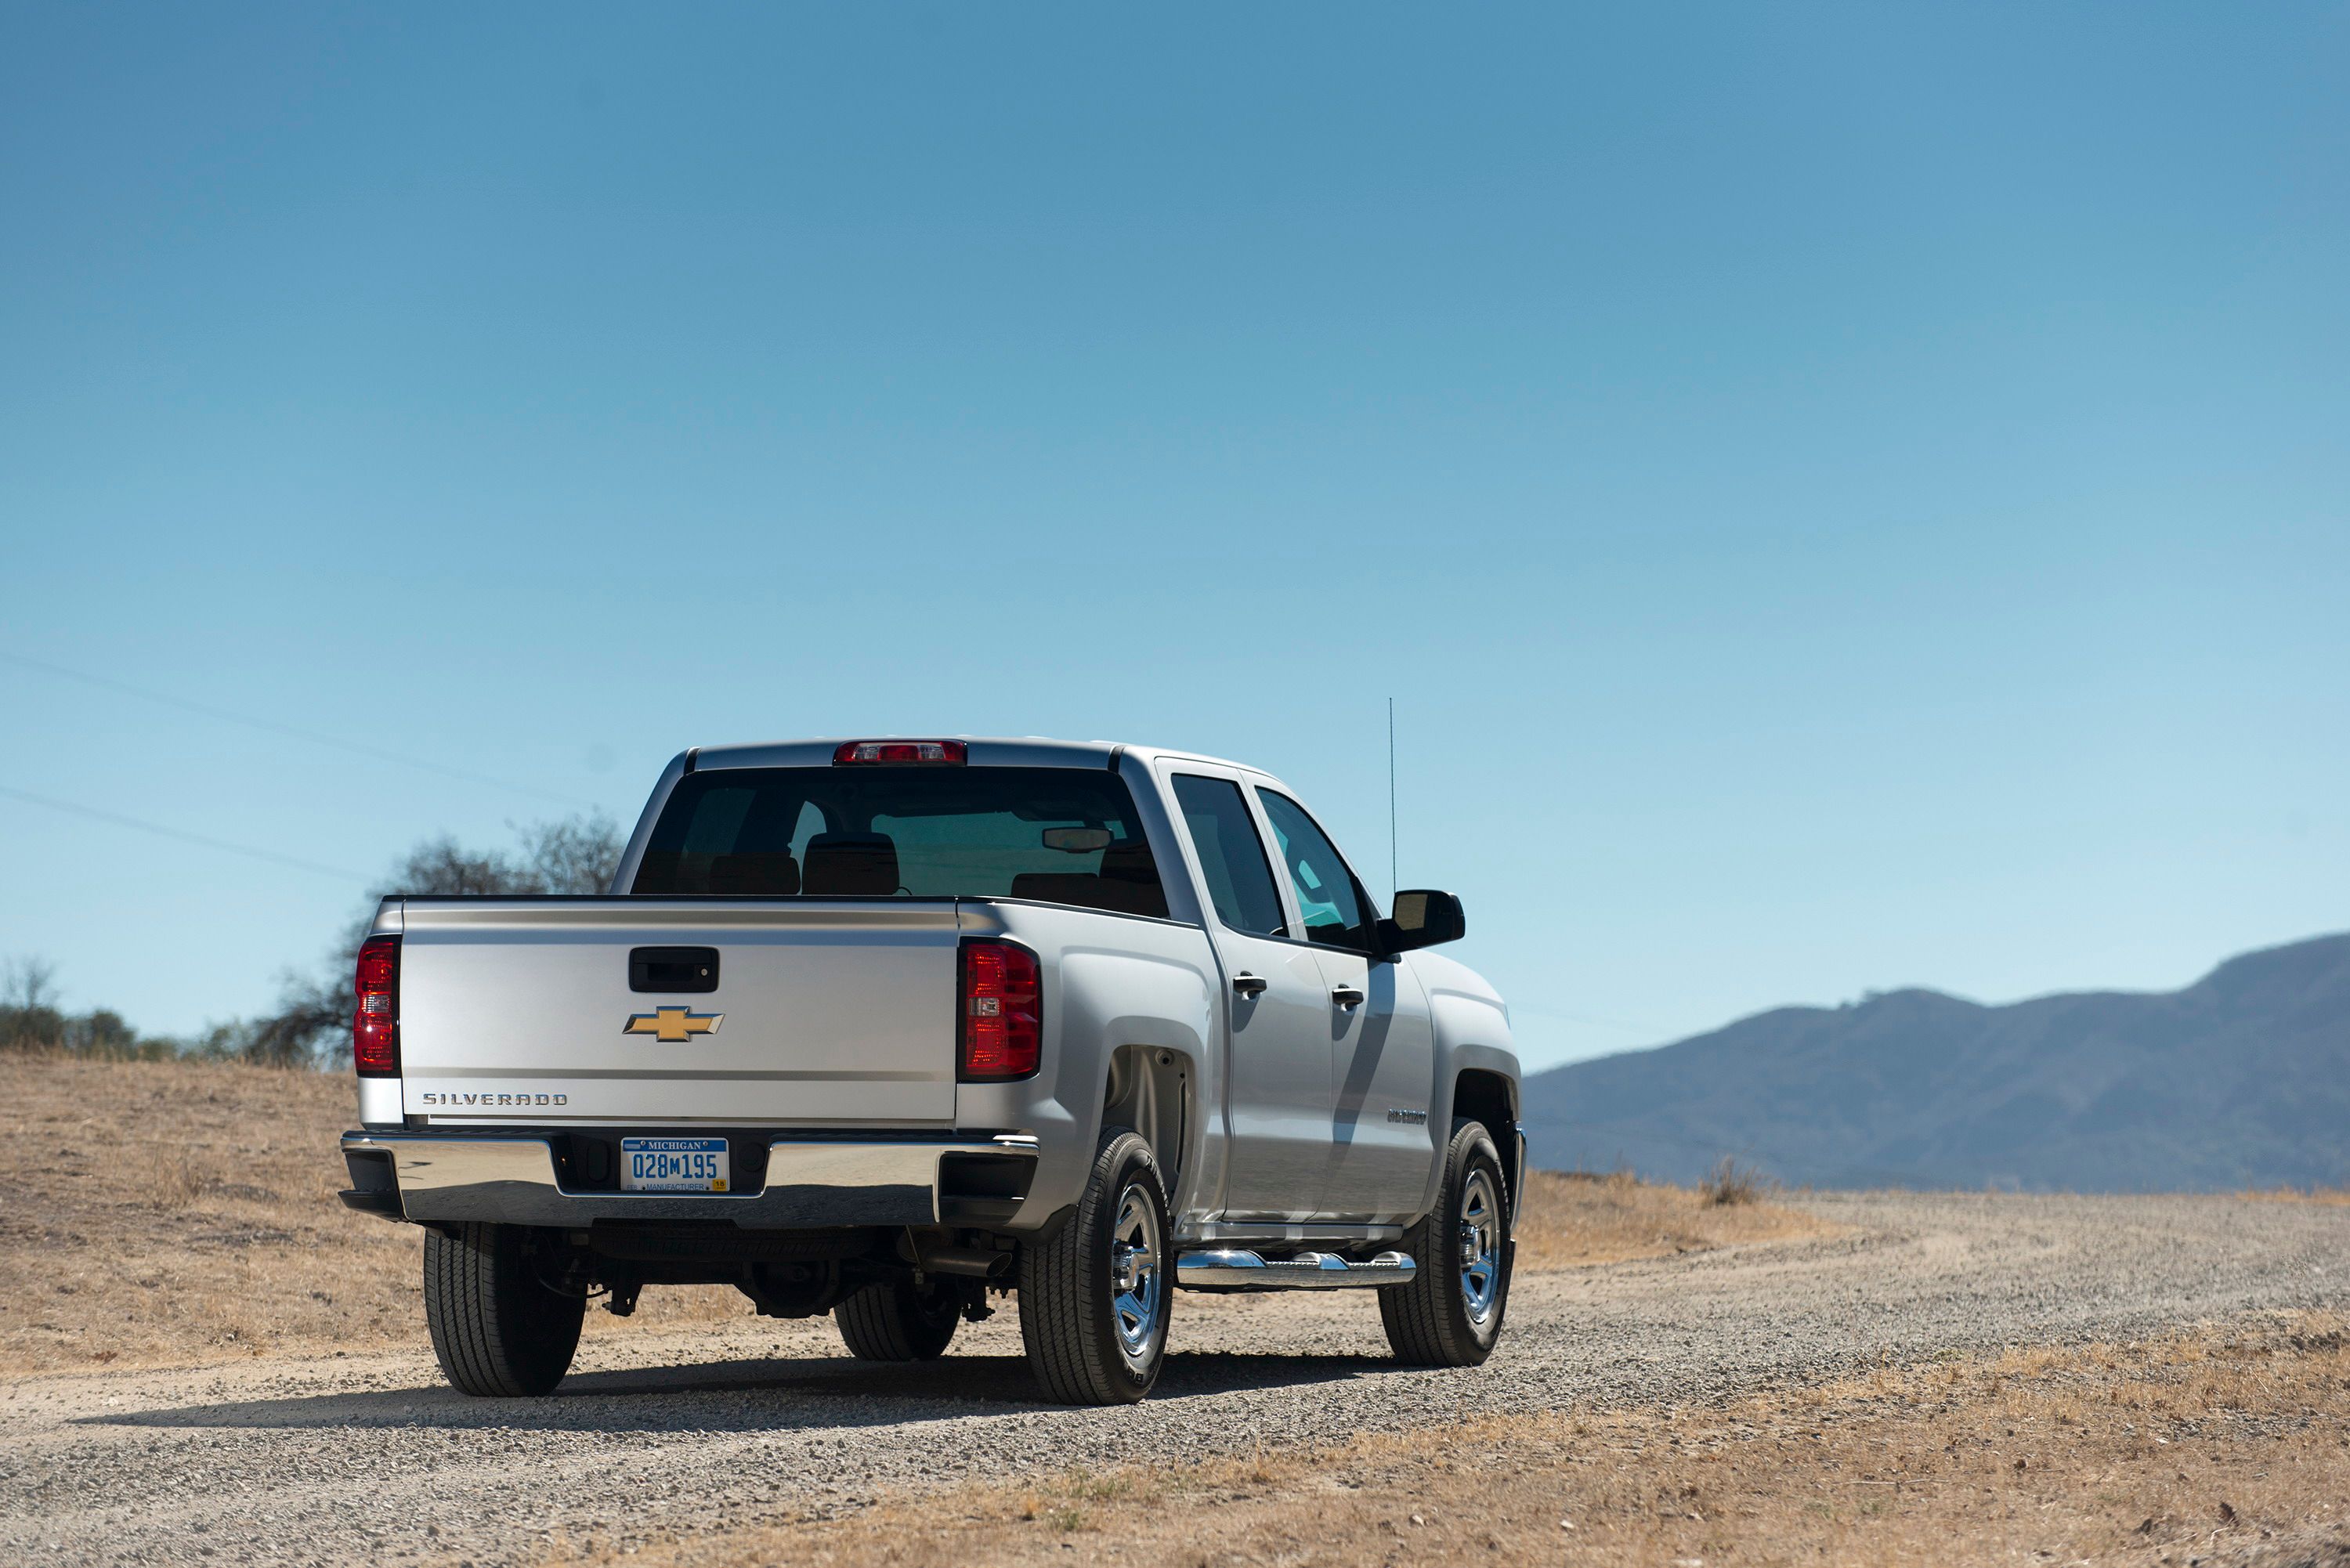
520	1010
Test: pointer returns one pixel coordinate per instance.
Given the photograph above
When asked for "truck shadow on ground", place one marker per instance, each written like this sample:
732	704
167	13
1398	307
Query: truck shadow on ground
750	1395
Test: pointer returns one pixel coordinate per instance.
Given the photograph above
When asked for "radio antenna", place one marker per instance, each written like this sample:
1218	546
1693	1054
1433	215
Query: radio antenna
1392	880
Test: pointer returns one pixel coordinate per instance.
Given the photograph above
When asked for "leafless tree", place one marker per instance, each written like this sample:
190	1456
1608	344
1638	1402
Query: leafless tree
578	854
29	984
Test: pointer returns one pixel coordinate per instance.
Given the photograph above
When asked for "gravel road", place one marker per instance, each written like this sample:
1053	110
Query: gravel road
337	1458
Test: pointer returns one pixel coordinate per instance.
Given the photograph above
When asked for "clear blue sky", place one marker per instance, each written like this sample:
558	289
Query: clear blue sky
1842	496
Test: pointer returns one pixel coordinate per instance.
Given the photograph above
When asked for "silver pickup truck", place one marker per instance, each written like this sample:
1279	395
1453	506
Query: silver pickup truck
880	1028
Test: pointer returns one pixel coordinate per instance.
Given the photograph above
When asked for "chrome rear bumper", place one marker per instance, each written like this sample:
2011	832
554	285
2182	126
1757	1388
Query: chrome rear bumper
811	1184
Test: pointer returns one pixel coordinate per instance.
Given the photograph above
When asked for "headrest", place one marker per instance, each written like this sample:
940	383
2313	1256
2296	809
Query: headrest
851	866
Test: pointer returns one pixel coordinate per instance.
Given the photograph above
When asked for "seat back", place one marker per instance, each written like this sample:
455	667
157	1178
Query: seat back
768	873
851	866
1126	884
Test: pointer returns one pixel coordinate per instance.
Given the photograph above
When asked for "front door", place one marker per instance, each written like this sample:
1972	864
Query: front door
1382	1055
1277	1078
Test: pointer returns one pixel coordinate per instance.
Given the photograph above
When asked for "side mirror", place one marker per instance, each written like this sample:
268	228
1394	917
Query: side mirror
1423	918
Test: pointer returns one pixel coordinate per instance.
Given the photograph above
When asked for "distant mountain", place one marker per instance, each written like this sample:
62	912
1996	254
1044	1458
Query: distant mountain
2241	1080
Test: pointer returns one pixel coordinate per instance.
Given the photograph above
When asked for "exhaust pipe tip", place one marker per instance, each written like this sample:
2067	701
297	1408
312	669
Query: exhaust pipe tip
967	1262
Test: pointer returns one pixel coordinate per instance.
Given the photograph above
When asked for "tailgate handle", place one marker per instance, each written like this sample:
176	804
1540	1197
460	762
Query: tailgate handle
672	968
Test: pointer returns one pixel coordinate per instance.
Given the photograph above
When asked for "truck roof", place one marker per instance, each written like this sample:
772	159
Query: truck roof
986	750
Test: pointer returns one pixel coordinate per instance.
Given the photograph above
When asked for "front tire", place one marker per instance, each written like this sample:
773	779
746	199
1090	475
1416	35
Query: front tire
498	1331
1094	1298
1450	1315
895	1320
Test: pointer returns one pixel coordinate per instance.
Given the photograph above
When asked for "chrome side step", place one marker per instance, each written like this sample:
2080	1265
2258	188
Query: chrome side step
1226	1268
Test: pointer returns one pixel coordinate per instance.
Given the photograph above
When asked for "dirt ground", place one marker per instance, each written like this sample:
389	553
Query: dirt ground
204	1358
2208	1448
163	1213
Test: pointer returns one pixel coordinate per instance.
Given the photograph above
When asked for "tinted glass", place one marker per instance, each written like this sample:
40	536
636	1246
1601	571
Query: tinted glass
1333	908
904	832
1232	856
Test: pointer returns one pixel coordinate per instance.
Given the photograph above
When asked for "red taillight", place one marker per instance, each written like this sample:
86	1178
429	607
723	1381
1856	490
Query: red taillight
1002	1011
375	1027
897	752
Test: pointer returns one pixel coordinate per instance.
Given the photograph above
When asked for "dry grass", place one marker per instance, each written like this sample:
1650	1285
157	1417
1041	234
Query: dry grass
154	1213
2214	1448
1572	1219
2331	1197
169	1213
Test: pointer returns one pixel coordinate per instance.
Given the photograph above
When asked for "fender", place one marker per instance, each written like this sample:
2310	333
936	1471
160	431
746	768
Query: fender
1472	1025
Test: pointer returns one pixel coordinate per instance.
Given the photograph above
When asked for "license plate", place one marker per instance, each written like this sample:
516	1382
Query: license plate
673	1165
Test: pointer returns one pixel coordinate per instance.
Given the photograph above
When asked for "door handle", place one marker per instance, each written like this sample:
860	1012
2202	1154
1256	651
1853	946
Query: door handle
1347	995
1248	984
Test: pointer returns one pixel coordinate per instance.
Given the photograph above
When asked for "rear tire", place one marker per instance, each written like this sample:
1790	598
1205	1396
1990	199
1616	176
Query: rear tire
1450	1313
896	1319
497	1331
1094	1298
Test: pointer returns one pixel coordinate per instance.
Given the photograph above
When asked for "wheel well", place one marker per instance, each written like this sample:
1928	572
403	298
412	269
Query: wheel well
1487	1097
1150	1091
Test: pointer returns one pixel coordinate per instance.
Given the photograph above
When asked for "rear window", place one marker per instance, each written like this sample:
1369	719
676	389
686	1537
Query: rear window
1063	836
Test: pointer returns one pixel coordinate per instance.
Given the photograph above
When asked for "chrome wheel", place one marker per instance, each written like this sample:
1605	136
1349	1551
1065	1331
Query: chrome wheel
1136	1283
1481	1246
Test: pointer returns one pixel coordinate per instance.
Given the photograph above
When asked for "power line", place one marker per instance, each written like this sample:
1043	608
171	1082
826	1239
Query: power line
315	737
118	820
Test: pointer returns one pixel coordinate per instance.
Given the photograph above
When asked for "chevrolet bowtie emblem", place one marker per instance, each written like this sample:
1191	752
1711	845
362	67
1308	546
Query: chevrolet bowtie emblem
673	1026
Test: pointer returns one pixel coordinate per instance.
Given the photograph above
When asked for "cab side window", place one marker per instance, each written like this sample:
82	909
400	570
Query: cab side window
1231	856
1335	911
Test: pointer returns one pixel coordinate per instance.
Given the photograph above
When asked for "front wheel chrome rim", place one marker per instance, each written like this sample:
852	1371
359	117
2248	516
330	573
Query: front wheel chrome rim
1481	1247
1137	1289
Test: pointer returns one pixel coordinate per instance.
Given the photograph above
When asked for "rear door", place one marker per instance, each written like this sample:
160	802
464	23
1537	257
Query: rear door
1382	1046
1278	1079
839	1015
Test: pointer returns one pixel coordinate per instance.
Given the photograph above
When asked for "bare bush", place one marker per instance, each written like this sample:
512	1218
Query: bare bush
1732	1183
